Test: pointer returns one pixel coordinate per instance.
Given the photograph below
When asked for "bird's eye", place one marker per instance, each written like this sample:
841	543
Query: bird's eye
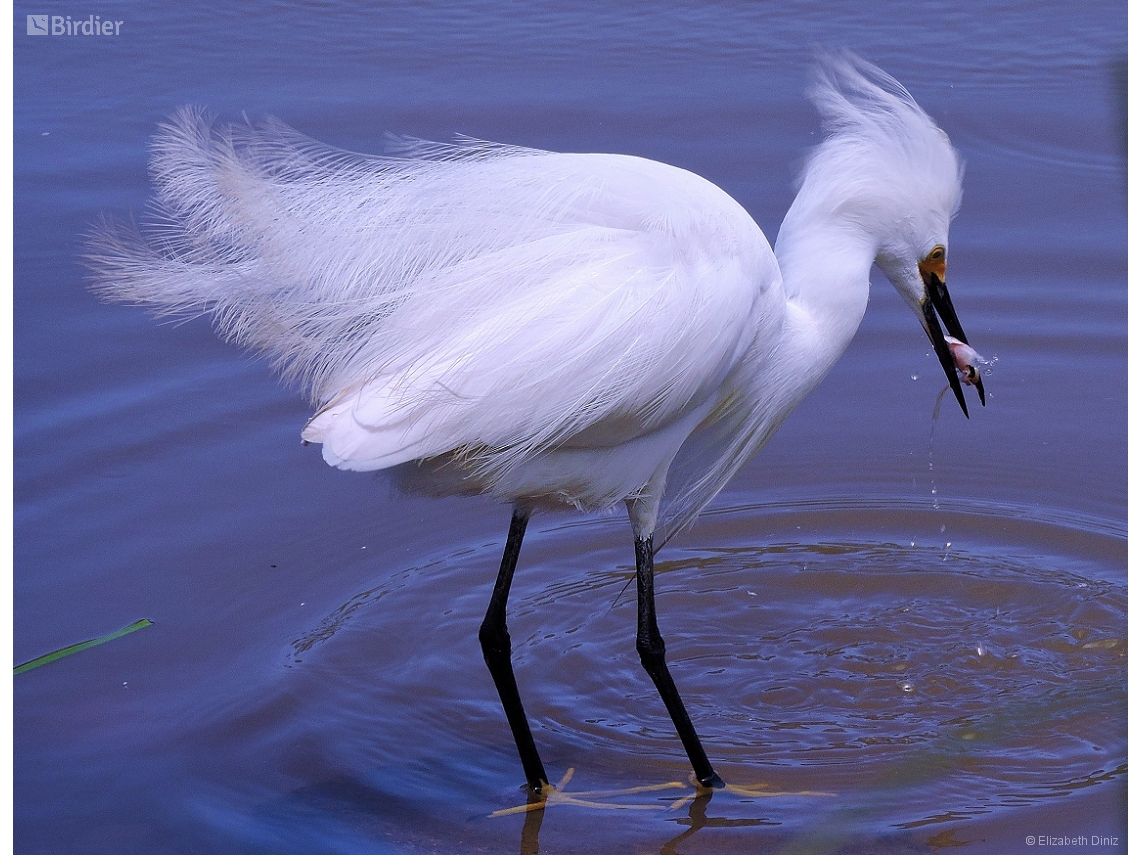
937	254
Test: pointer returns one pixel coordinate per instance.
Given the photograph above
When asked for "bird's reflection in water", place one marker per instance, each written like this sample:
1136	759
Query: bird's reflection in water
532	825
698	819
698	800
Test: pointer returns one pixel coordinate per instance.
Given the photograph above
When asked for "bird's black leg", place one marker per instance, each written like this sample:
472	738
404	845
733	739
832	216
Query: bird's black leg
652	649
496	644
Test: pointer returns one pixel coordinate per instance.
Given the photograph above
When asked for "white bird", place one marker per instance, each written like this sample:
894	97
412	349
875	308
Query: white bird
549	329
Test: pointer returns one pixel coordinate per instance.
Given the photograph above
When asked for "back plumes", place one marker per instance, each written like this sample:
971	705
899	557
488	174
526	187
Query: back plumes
302	251
482	302
883	160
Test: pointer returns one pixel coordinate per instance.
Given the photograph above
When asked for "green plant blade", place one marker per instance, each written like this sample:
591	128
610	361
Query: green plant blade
83	645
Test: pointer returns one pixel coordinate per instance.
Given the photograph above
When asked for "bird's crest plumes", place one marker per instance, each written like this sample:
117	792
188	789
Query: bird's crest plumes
882	154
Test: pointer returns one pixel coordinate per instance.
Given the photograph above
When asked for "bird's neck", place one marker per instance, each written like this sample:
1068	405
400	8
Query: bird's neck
826	271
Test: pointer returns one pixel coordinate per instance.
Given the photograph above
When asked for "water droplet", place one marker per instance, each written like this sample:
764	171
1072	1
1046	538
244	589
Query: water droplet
907	686
914	376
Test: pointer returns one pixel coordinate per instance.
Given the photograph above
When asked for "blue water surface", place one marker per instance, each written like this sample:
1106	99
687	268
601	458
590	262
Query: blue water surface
311	682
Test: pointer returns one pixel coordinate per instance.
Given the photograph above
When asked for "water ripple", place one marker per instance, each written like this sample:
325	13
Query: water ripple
835	645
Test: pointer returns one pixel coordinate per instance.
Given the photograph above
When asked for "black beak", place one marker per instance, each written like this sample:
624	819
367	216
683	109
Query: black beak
938	298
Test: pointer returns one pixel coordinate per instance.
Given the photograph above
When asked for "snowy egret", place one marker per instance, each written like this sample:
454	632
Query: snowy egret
550	329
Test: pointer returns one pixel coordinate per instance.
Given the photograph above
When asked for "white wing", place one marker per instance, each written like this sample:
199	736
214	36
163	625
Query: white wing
470	298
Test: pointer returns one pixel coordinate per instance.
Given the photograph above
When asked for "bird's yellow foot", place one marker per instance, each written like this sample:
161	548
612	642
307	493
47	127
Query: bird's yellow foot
746	791
553	794
765	791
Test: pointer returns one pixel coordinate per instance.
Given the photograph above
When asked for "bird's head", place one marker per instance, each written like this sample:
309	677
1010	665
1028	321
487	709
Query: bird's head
887	170
918	272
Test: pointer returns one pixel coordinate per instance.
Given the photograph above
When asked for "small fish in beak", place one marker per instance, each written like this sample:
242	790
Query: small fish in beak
967	360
